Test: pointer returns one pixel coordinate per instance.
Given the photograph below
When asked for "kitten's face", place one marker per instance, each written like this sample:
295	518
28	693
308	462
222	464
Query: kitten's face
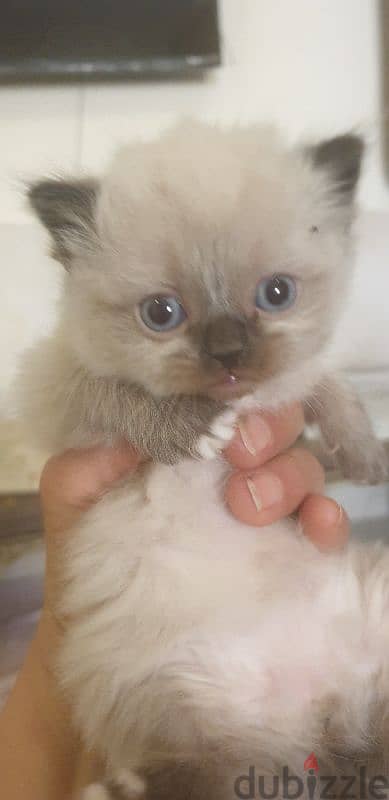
217	261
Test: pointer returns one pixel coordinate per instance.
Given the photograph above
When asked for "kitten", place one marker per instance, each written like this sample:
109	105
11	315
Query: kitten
205	274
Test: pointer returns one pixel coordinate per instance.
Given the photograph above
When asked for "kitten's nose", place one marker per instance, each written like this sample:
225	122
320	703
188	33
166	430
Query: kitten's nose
226	340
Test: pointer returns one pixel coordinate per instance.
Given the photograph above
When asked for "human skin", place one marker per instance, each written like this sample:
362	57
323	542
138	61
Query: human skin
41	756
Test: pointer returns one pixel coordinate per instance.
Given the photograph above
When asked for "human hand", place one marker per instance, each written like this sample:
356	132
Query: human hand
41	756
273	478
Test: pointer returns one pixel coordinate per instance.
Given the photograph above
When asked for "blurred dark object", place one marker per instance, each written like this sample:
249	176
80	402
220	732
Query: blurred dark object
20	515
107	38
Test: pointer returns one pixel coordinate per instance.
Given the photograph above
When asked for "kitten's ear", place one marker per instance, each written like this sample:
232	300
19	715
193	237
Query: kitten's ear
67	210
341	158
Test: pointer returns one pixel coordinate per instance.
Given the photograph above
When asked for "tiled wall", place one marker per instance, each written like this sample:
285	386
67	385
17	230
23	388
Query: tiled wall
312	66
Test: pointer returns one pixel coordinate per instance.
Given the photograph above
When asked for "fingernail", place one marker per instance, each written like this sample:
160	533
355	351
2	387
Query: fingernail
334	514
265	490
255	434
253	493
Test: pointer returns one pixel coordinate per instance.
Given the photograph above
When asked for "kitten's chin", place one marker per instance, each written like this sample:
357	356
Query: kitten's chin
230	388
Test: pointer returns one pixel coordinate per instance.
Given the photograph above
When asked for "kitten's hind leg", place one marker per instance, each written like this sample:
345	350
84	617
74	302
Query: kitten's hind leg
96	791
127	785
124	785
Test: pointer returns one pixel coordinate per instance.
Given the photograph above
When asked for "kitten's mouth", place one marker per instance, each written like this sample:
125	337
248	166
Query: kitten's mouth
229	386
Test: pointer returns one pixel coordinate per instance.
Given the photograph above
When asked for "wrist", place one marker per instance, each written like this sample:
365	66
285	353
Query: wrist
38	752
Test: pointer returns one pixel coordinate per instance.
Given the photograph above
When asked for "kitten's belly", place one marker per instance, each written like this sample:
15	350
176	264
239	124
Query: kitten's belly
254	622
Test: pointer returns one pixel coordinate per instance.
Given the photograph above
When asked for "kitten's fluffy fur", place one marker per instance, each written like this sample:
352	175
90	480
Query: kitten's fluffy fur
194	646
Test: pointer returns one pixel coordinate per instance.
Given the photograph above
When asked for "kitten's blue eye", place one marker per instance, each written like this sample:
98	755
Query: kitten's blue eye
162	313
276	293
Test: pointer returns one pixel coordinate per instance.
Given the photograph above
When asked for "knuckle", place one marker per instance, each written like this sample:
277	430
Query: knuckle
288	425
304	467
299	419
295	416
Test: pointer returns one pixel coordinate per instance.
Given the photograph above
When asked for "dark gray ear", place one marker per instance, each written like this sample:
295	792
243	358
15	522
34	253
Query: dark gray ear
67	210
341	157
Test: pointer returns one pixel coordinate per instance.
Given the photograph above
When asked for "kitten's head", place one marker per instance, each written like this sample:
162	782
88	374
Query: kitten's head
207	262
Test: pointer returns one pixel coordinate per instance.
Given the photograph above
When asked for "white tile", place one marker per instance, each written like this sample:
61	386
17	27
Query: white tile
299	64
39	132
277	32
115	114
118	113
361	340
30	283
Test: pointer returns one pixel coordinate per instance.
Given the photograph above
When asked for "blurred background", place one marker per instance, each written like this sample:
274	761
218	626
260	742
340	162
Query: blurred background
78	79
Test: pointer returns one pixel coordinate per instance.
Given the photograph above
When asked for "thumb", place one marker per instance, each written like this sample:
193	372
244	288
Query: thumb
73	481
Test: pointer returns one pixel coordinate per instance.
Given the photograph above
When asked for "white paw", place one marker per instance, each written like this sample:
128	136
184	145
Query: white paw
96	791
129	782
221	432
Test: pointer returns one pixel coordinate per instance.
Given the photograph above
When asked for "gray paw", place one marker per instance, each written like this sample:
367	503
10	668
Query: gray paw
369	464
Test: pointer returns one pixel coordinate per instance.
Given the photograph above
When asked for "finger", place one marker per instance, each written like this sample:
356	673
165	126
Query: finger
324	522
260	437
74	480
267	494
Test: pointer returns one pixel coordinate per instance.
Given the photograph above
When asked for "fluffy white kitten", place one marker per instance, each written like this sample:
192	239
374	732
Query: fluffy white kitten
205	275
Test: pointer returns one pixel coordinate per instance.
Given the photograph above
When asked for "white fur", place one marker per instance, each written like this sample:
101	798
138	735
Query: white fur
170	597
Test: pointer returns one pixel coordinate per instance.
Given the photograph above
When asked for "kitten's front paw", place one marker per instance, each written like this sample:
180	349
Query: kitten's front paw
368	464
221	432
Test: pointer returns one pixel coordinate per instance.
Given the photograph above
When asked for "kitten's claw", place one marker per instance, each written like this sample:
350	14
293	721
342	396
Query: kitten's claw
220	434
